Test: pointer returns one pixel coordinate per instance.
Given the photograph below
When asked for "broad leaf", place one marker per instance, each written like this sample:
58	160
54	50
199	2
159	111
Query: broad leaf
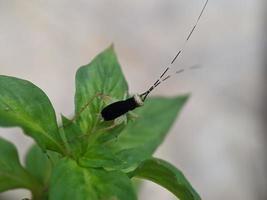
102	76
40	164
113	185
166	175
25	105
12	174
70	181
100	157
76	140
142	136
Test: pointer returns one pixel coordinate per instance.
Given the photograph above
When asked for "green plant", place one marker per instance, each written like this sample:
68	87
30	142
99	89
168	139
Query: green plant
83	159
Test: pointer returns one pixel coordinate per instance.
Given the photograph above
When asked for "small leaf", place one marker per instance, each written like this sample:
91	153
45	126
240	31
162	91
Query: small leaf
113	185
105	136
70	181
103	75
12	174
137	184
100	157
132	157
74	136
166	175
141	137
40	165
25	105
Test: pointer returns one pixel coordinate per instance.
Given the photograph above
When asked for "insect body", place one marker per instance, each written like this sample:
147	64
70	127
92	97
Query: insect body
119	108
116	109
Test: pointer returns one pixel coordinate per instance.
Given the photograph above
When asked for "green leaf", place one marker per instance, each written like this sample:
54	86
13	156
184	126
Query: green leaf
166	175
137	184
25	105
74	136
70	181
141	137
12	174
100	157
103	75
40	164
113	185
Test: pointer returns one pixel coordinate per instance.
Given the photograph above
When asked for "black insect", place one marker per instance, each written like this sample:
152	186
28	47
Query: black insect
119	108
116	109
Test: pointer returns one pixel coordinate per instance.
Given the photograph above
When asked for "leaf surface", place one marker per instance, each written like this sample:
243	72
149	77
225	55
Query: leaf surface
140	138
12	174
70	181
100	157
25	105
75	139
169	177
40	164
101	76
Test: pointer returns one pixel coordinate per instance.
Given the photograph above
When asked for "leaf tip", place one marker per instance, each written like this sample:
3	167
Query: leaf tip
111	46
110	49
185	97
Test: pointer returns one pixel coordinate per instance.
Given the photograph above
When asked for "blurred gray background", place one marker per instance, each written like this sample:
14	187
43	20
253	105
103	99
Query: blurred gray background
219	140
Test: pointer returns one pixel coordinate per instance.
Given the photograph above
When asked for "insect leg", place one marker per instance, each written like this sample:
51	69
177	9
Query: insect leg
116	122
133	115
85	106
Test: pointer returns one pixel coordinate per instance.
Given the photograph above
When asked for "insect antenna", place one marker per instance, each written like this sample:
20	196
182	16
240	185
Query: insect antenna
190	33
160	81
162	78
